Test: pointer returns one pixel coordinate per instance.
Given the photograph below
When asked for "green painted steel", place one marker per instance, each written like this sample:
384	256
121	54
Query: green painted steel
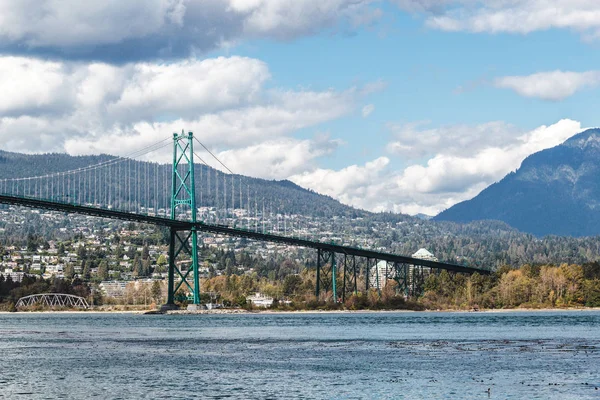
334	278
318	286
183	195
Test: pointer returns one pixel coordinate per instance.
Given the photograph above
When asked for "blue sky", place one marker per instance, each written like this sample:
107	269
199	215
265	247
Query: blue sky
401	105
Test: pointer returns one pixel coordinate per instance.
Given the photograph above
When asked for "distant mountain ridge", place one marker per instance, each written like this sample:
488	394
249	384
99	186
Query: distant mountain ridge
555	192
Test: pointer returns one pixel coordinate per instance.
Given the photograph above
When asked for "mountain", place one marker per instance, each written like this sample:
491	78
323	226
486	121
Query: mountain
489	244
554	192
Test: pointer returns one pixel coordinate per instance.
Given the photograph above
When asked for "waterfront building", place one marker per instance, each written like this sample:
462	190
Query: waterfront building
113	288
260	300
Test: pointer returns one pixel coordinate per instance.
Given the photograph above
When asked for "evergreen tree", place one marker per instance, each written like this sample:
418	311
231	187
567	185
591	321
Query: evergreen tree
103	271
138	269
81	253
156	291
85	267
145	252
69	271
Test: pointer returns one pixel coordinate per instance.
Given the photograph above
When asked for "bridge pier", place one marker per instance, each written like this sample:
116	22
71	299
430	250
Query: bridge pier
350	272
326	273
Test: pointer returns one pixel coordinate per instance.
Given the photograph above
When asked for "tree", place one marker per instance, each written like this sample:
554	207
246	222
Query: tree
82	253
137	267
85	267
145	252
291	285
131	252
156	291
69	271
103	271
161	263
32	243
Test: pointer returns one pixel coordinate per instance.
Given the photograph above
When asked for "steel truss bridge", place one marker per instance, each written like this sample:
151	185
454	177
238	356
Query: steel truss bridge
112	189
53	300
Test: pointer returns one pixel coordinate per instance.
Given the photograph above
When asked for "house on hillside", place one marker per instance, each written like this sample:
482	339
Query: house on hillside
424	254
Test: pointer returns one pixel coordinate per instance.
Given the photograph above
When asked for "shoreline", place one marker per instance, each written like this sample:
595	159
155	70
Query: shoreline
274	312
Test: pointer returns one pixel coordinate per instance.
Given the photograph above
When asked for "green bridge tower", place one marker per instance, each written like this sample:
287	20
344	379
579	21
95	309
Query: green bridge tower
183	245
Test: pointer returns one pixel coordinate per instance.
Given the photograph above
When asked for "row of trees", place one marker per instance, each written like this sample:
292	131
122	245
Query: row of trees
535	286
11	292
532	286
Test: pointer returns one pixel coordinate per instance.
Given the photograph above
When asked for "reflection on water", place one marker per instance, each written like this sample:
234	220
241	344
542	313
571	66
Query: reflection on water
301	356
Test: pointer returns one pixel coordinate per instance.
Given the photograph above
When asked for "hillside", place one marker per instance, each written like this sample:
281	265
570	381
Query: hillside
554	192
479	243
283	195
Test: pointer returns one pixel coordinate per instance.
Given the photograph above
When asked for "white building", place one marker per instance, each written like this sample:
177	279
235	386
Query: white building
260	300
113	288
55	269
379	275
15	276
424	254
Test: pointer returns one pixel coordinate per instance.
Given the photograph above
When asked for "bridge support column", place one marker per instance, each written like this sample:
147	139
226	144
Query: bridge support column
417	280
183	251
171	283
401	274
326	273
349	284
370	264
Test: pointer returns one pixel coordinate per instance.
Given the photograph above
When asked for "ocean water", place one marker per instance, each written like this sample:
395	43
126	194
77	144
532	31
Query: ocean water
512	355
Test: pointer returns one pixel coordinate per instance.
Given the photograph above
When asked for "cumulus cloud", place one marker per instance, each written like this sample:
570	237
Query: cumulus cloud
283	113
413	140
358	185
367	110
446	178
119	31
513	16
279	158
102	108
554	85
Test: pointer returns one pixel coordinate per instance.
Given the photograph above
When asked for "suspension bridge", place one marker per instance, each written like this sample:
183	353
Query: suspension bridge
172	196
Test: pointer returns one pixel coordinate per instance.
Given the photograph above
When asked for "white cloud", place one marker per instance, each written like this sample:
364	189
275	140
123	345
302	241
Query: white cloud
357	185
190	87
277	159
554	85
444	180
412	141
513	16
97	107
149	29
30	84
367	110
284	113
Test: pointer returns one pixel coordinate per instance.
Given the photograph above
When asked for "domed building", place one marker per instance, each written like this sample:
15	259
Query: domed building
424	254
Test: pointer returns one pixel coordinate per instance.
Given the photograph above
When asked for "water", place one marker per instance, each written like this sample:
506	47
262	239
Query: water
517	355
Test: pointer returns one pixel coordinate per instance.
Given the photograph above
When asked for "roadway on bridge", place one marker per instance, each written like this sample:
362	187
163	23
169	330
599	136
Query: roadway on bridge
230	231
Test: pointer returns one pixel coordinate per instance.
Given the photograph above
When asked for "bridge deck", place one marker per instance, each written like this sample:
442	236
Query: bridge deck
230	231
